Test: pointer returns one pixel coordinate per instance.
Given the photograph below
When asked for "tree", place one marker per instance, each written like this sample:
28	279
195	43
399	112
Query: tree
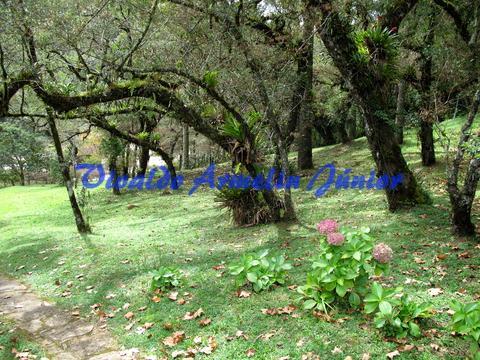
21	150
364	58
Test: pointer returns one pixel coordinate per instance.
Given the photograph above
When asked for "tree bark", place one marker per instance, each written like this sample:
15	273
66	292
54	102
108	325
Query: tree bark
22	175
305	74
112	169
143	159
82	226
426	126
185	148
428	146
400	113
462	199
372	92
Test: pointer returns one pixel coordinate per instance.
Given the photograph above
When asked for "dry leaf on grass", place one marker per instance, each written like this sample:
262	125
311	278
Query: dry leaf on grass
193	314
173	340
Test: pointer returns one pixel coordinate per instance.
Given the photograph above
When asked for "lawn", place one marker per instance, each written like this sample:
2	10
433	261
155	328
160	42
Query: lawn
111	268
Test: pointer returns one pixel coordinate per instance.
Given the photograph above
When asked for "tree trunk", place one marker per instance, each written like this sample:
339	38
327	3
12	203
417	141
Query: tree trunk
112	169
126	160
186	148
400	113
22	175
461	217
305	72
426	126
82	226
462	199
143	160
389	161
428	148
372	91
134	166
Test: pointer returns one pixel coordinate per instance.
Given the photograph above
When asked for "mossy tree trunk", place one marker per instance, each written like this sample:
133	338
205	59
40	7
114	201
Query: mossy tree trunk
372	91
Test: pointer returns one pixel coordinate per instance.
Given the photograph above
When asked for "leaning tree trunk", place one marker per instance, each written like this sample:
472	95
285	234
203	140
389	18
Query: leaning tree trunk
400	113
462	199
389	161
82	226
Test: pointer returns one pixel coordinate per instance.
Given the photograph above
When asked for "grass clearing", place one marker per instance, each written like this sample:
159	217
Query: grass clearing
39	246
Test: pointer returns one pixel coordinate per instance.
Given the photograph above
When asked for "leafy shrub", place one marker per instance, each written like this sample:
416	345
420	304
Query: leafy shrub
247	207
166	278
466	321
342	267
396	313
260	270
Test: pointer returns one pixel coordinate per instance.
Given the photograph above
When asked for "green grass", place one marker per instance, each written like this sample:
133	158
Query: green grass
37	232
14	341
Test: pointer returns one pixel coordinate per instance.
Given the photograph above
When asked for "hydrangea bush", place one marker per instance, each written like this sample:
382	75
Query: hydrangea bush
342	268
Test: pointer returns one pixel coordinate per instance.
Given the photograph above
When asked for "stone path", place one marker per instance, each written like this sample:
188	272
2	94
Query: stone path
61	335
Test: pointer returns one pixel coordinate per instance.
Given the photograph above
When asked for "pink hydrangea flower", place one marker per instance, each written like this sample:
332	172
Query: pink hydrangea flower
335	239
327	226
382	253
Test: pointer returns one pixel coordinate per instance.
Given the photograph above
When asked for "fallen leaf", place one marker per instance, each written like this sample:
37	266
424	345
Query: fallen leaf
148	325
181	301
197	340
243	294
156	299
218	267
336	350
280	311
365	356
173	295
250	352
173	340
407	347
392	354
435	347
434	292
205	322
129	315
193	314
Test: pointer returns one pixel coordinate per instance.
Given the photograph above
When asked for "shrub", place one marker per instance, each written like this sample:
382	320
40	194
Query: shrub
260	270
396	313
166	278
343	266
466	321
247	207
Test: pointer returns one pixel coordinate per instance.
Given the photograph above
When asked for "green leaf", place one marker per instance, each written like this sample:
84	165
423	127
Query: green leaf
357	255
377	290
385	307
309	304
252	277
414	329
341	290
370	307
354	299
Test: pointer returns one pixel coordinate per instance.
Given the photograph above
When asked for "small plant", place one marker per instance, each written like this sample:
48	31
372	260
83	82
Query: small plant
260	270
396	313
342	267
466	321
166	278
